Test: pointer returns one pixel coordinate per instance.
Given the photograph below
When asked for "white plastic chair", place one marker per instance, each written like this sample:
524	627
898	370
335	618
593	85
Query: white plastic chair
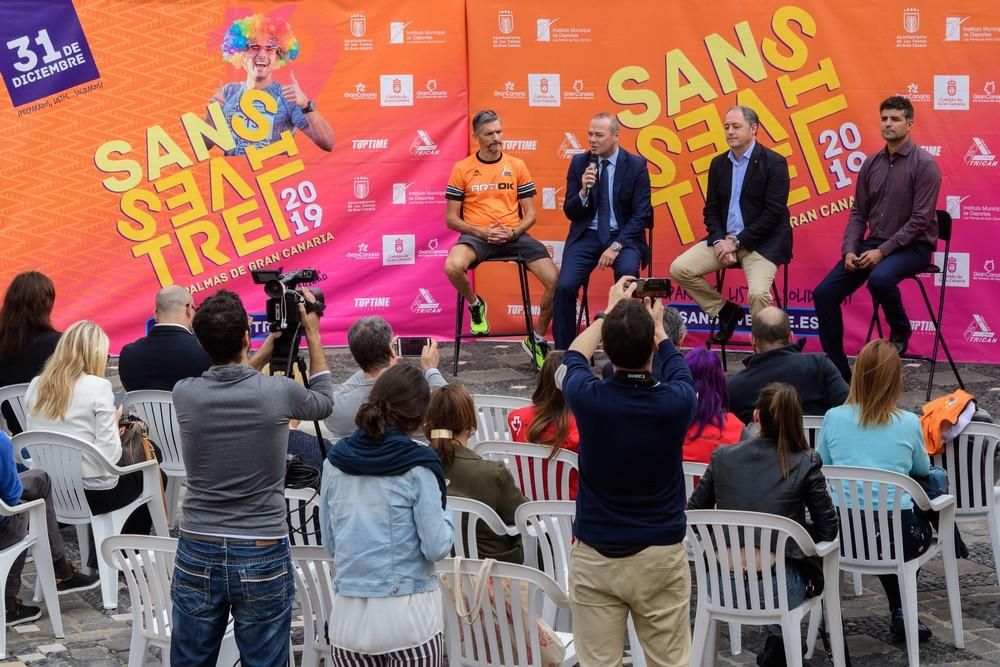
546	526
714	536
477	643
314	570
148	565
13	395
491	415
538	476
812	424
156	408
865	552
692	470
969	460
468	513
61	456
36	539
303	517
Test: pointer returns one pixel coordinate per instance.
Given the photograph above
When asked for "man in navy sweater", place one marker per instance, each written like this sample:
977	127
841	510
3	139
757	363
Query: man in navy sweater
630	520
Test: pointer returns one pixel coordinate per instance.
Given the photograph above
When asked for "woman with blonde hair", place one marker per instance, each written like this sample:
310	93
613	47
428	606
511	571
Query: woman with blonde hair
869	431
451	419
72	396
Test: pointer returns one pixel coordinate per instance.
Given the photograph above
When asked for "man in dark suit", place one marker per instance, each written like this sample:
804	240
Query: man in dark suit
746	214
170	352
607	202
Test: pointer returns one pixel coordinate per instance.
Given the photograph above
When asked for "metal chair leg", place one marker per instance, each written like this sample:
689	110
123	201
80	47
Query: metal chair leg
458	329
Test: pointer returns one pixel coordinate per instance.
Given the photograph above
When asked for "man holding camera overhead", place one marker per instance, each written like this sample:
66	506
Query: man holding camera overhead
233	555
746	214
608	205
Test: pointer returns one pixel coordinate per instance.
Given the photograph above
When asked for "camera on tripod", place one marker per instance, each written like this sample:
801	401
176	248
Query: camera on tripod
284	296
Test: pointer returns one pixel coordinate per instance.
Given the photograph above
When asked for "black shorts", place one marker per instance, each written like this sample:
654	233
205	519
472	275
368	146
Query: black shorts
524	248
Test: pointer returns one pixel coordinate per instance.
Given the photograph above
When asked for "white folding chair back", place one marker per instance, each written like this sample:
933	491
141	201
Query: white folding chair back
970	460
468	513
13	395
720	563
692	470
37	540
156	408
867	551
314	570
546	527
812	424
61	456
491	415
303	517
539	474
148	565
488	639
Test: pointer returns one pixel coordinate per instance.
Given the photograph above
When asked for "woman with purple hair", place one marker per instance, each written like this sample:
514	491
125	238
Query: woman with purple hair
713	424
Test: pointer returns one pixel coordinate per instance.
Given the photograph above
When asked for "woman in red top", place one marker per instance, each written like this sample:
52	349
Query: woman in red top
713	424
548	420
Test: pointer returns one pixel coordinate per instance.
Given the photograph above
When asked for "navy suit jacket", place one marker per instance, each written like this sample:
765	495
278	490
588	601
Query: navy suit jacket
763	203
633	210
168	354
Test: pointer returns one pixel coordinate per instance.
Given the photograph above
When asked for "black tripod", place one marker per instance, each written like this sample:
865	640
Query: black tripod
287	356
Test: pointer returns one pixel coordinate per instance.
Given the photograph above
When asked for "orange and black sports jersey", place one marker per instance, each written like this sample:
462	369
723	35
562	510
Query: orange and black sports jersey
489	190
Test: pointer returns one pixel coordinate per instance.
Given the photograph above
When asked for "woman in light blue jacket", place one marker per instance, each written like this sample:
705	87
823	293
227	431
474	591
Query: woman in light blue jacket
385	520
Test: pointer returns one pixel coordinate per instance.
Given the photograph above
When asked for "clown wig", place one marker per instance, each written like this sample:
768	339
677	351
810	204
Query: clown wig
263	30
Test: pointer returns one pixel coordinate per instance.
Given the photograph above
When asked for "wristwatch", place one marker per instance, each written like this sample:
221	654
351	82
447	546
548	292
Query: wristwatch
616	246
736	241
309	107
599	315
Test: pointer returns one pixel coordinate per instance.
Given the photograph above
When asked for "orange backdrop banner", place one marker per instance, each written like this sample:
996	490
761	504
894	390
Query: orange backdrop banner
814	72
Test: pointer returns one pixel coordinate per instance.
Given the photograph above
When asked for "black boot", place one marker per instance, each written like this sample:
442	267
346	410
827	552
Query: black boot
898	628
729	317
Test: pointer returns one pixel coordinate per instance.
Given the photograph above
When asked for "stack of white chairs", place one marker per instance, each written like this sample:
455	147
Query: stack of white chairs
314	571
303	517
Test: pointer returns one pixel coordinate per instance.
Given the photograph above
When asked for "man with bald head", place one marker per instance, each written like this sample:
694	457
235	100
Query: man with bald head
777	358
170	351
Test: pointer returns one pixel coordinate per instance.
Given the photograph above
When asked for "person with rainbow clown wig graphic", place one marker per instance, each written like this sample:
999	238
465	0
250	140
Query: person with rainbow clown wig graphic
261	44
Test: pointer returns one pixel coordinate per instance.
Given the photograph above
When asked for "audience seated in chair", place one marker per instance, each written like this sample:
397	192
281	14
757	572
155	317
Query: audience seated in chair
777	359
775	473
384	518
27	337
713	424
72	396
170	352
32	485
869	431
451	419
547	421
370	340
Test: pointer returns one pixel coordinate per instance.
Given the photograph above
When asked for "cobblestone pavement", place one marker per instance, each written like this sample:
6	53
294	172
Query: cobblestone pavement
96	638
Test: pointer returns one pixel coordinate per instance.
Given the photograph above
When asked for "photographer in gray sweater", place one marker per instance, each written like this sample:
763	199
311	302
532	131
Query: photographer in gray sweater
233	555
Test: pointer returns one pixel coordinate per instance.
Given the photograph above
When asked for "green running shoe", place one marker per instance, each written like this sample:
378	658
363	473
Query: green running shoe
479	325
536	350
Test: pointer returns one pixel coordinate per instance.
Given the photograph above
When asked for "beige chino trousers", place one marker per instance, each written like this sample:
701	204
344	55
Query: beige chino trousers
689	269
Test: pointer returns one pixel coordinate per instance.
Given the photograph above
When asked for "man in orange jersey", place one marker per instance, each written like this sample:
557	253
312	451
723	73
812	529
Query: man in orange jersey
490	202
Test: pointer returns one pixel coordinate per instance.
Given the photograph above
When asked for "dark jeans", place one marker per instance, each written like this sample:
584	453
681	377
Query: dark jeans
35	484
917	536
578	262
212	580
883	283
128	489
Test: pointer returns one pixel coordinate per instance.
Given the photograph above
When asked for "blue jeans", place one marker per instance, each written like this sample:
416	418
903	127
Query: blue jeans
883	283
578	262
213	580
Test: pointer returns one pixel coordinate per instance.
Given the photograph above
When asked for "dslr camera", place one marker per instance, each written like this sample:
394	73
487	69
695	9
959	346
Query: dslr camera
284	296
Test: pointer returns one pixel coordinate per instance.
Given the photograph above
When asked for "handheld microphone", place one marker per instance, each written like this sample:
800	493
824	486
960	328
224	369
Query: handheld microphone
591	162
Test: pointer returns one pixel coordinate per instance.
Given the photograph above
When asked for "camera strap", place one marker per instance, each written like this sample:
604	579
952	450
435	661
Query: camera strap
636	378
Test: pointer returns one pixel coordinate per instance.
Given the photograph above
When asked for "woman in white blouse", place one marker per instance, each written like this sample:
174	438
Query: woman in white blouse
72	396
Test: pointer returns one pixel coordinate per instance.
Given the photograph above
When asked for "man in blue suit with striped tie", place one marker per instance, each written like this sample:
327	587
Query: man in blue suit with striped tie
608	205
